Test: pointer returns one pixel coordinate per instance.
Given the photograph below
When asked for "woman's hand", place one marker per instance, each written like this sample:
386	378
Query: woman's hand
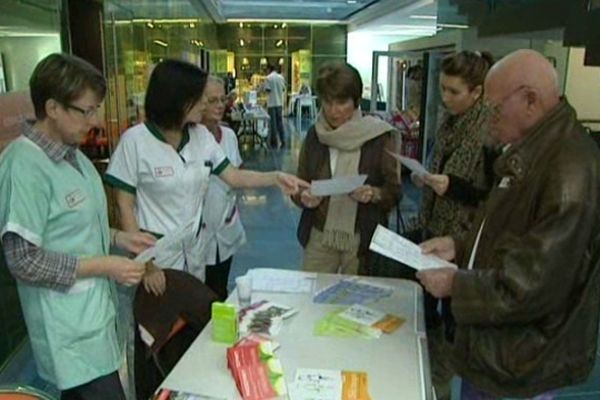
366	194
134	242
123	270
308	200
290	184
439	183
154	280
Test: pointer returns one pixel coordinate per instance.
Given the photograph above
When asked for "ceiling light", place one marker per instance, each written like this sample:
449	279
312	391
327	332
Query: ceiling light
423	16
273	20
160	43
457	26
279	43
351	2
150	25
192	25
173	21
281	61
242	42
241	24
275	26
245	61
263	61
283	26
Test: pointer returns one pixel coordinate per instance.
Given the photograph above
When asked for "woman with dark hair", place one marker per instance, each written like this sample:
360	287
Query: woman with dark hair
161	169
461	178
335	231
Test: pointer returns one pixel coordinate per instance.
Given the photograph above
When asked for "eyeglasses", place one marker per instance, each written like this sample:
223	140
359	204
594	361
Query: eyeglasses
89	113
211	101
493	110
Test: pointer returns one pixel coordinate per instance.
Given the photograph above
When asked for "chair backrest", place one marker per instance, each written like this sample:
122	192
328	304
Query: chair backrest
305	100
19	392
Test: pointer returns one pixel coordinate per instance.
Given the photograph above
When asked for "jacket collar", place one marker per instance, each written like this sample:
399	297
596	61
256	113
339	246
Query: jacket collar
519	157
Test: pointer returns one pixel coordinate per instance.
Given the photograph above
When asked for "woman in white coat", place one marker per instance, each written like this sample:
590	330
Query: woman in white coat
222	233
161	169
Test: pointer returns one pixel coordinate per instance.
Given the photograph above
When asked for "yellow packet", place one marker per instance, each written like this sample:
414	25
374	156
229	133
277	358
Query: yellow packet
389	324
355	386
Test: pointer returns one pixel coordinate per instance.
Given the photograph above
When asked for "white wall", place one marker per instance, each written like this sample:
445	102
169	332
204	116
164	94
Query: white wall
446	38
361	46
582	86
22	53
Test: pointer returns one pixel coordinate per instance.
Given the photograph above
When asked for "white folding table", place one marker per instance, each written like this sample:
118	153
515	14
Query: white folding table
397	364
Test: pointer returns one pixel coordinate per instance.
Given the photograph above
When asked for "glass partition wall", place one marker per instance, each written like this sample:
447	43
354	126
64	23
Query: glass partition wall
135	41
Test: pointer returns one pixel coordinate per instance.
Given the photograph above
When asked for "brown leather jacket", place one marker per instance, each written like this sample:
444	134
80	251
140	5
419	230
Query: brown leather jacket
527	313
381	169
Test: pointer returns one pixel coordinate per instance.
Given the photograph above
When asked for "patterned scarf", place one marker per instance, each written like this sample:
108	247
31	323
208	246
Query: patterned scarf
459	148
348	139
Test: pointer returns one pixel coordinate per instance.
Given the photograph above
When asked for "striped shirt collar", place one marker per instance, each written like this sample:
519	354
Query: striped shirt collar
54	150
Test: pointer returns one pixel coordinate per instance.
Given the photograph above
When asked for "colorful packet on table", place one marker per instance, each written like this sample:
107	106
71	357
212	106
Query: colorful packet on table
264	317
258	374
357	321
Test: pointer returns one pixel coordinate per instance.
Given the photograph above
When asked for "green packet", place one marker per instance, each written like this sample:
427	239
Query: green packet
334	325
224	323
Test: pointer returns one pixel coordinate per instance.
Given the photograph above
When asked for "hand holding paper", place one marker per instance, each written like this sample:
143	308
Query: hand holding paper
338	185
411	164
392	245
308	200
438	282
166	243
442	247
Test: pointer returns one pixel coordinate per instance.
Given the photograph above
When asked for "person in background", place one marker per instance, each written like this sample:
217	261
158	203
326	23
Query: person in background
161	170
414	78
56	238
230	106
305	89
222	228
527	298
275	87
335	231
461	178
229	83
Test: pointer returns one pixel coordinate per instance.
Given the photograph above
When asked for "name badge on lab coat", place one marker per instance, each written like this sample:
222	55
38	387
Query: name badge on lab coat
74	198
163	172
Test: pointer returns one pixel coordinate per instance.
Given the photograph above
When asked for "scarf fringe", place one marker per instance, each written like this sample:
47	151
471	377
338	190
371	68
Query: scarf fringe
338	240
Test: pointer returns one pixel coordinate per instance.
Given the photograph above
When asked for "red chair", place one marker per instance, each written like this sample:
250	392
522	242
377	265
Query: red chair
18	392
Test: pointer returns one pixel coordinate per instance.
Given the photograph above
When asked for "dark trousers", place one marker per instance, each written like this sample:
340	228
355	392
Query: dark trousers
217	276
275	125
105	387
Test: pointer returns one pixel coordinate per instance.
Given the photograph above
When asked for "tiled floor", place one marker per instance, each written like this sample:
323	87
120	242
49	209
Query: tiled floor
270	220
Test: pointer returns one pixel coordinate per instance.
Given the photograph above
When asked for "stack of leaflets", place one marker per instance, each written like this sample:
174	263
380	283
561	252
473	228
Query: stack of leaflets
257	372
264	318
357	321
353	291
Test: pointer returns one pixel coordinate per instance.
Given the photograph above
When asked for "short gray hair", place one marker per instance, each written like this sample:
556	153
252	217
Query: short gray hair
215	79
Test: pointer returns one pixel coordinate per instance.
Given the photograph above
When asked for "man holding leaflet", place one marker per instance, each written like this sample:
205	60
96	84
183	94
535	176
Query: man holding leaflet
527	302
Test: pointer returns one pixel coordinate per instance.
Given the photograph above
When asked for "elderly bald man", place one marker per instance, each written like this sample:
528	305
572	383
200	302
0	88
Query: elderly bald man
527	299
